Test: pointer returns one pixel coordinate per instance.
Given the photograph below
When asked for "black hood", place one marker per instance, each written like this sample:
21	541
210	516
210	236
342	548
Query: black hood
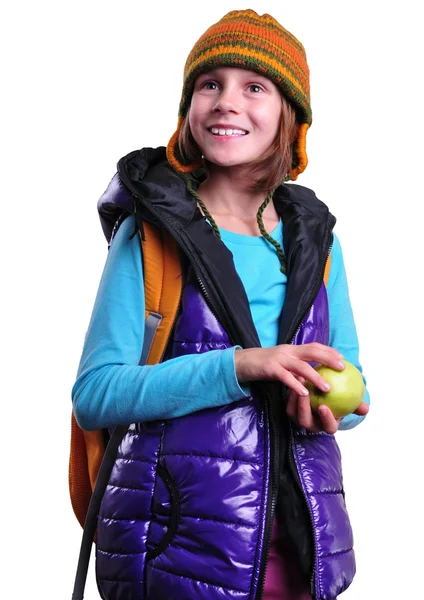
149	188
153	177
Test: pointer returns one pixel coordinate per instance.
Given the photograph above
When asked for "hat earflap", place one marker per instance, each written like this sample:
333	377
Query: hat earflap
172	150
302	157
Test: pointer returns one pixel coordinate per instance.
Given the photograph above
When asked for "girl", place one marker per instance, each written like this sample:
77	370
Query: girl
227	486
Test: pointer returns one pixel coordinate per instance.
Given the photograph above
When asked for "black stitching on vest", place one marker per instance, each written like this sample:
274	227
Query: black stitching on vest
238	524
126	487
192	454
336	553
198	580
122	580
326	493
114	553
140	460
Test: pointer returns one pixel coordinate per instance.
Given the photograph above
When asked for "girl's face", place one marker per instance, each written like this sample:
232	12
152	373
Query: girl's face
234	115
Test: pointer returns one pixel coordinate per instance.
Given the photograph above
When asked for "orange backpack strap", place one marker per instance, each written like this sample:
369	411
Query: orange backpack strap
162	289
327	270
82	464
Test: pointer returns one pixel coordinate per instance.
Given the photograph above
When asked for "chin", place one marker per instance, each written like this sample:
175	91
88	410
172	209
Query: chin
225	161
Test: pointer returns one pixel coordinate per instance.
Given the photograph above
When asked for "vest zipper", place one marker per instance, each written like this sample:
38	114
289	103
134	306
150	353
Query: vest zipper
206	296
311	522
290	448
272	498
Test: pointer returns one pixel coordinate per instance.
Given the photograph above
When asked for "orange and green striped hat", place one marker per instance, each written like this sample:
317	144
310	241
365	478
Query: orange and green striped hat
242	38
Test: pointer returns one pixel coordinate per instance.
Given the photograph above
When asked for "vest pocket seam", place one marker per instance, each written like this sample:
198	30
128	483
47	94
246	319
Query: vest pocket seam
174	518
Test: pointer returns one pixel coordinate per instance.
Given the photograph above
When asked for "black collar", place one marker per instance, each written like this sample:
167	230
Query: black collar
161	197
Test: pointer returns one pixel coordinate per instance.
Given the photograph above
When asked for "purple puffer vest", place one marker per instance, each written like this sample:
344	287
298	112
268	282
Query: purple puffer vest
183	515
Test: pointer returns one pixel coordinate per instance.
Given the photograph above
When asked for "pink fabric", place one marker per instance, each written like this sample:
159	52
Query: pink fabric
284	579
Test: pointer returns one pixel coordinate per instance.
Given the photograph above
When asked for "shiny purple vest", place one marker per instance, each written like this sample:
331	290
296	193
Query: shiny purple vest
183	515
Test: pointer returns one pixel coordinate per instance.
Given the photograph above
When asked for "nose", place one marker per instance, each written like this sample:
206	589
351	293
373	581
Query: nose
227	102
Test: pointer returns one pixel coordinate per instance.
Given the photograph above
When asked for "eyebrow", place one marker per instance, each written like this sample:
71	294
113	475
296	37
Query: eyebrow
249	75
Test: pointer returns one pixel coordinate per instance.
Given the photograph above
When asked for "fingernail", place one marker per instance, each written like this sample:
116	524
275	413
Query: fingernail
341	355
342	365
327	386
305	392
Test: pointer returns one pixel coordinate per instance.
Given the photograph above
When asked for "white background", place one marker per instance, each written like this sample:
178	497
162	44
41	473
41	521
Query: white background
83	83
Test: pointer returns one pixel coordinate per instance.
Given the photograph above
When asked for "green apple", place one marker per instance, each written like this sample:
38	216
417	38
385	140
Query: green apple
347	390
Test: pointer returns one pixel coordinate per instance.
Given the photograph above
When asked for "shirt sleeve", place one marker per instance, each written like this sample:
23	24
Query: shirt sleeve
111	387
343	336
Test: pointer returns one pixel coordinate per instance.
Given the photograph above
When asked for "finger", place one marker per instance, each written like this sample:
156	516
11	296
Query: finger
305	417
363	409
303	370
320	353
328	421
292	382
291	407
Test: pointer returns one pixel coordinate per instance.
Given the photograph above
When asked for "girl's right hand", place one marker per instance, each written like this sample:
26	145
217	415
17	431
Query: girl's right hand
287	363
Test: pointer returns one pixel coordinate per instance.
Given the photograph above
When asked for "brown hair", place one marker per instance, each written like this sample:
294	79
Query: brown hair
274	166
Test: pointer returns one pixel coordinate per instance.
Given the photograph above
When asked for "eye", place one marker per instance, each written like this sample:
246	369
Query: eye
255	88
209	85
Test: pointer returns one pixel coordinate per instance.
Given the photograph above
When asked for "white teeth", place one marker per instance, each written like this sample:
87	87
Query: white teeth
217	131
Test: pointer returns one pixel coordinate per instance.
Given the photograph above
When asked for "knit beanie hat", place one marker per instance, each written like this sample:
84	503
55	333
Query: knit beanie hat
244	39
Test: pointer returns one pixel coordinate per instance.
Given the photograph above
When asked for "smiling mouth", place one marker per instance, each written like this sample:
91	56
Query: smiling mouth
221	131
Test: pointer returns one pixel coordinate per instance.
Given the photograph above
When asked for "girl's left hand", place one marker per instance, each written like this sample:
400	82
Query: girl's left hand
299	410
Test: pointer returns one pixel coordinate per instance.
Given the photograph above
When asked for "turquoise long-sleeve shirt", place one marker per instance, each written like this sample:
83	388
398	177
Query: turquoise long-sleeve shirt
112	388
